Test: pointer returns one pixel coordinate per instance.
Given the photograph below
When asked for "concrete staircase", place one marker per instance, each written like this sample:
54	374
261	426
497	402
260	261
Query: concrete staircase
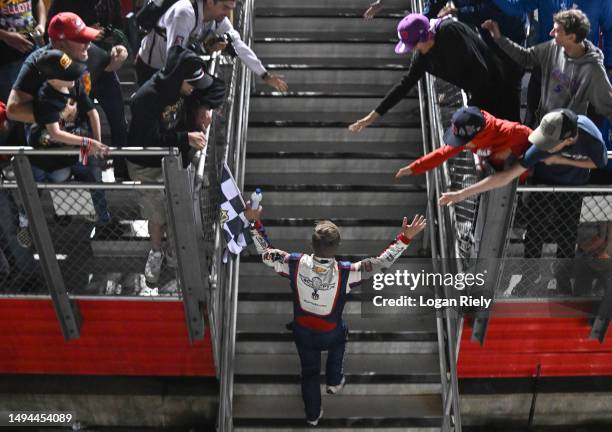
310	167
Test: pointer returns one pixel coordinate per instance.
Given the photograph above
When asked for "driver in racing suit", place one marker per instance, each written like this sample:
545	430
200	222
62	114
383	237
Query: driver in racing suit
320	285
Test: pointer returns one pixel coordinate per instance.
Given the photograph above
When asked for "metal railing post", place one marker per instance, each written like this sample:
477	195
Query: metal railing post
67	311
192	277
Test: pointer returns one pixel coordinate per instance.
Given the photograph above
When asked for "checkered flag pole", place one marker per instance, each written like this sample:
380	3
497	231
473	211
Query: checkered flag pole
235	224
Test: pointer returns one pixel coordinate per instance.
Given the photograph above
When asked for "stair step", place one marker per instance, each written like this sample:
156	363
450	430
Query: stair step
334	119
326	77
363	425
372	200
356	367
322	148
337	166
327	28
336	90
379	136
273	63
325	4
354	347
357	389
418	328
274	106
296	52
421	411
389	213
346	179
410	154
352	307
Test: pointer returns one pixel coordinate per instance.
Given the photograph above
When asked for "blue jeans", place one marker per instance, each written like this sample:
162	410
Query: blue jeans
309	345
93	174
57	176
9	224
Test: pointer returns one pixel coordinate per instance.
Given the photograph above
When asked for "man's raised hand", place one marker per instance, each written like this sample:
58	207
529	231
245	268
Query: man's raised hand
417	225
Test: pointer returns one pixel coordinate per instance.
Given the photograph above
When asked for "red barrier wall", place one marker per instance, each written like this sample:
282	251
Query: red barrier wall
118	337
514	346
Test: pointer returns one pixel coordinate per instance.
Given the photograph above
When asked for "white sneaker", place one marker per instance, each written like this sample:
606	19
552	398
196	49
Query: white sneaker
148	292
315	422
153	266
337	388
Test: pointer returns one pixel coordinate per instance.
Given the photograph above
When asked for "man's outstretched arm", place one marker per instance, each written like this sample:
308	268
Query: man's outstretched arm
275	258
492	182
366	268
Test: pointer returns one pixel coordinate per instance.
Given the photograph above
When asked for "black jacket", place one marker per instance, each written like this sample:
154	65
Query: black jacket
157	109
460	57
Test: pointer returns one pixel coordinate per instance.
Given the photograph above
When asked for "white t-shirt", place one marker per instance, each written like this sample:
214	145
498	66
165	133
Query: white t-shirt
180	24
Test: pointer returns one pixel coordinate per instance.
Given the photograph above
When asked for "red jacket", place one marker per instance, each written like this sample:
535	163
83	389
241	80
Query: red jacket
492	142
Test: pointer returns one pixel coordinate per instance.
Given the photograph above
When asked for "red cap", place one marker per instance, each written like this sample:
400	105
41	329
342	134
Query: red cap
2	113
70	26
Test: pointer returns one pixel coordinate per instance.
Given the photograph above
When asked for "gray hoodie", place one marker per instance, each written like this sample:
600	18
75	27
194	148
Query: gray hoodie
566	82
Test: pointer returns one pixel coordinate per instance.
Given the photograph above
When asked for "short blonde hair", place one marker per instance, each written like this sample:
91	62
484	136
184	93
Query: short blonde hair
325	239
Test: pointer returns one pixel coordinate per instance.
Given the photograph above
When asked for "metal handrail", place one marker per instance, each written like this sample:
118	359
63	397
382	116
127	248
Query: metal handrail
587	189
235	156
441	242
67	151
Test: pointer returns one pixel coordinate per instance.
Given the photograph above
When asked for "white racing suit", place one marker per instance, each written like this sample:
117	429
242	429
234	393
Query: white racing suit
320	285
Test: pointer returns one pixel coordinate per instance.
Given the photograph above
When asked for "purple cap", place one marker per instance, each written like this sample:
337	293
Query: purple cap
411	30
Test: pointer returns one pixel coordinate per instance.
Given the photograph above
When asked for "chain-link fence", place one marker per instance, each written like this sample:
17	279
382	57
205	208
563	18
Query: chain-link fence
100	236
559	244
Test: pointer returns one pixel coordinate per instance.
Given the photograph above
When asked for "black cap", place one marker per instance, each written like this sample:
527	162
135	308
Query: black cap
55	64
196	75
212	96
465	125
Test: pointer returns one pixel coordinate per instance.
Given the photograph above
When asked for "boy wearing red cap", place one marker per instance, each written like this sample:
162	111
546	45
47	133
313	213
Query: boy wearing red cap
476	130
62	84
68	33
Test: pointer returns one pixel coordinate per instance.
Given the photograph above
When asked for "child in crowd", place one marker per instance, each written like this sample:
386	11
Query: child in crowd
52	127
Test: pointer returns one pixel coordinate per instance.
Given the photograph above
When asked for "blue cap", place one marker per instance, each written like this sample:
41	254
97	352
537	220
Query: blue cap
465	125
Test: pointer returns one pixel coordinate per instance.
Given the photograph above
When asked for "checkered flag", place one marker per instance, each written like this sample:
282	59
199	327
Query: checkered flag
235	225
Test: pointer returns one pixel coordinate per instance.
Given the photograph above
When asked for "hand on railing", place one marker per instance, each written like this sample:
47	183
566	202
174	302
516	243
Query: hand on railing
99	149
276	81
364	122
197	140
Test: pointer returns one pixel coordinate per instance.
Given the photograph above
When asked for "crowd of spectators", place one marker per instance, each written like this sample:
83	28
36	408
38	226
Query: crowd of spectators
564	134
58	66
55	62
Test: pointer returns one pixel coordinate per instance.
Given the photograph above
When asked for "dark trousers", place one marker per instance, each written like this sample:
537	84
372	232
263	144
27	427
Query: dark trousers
21	258
309	345
110	97
553	217
108	93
